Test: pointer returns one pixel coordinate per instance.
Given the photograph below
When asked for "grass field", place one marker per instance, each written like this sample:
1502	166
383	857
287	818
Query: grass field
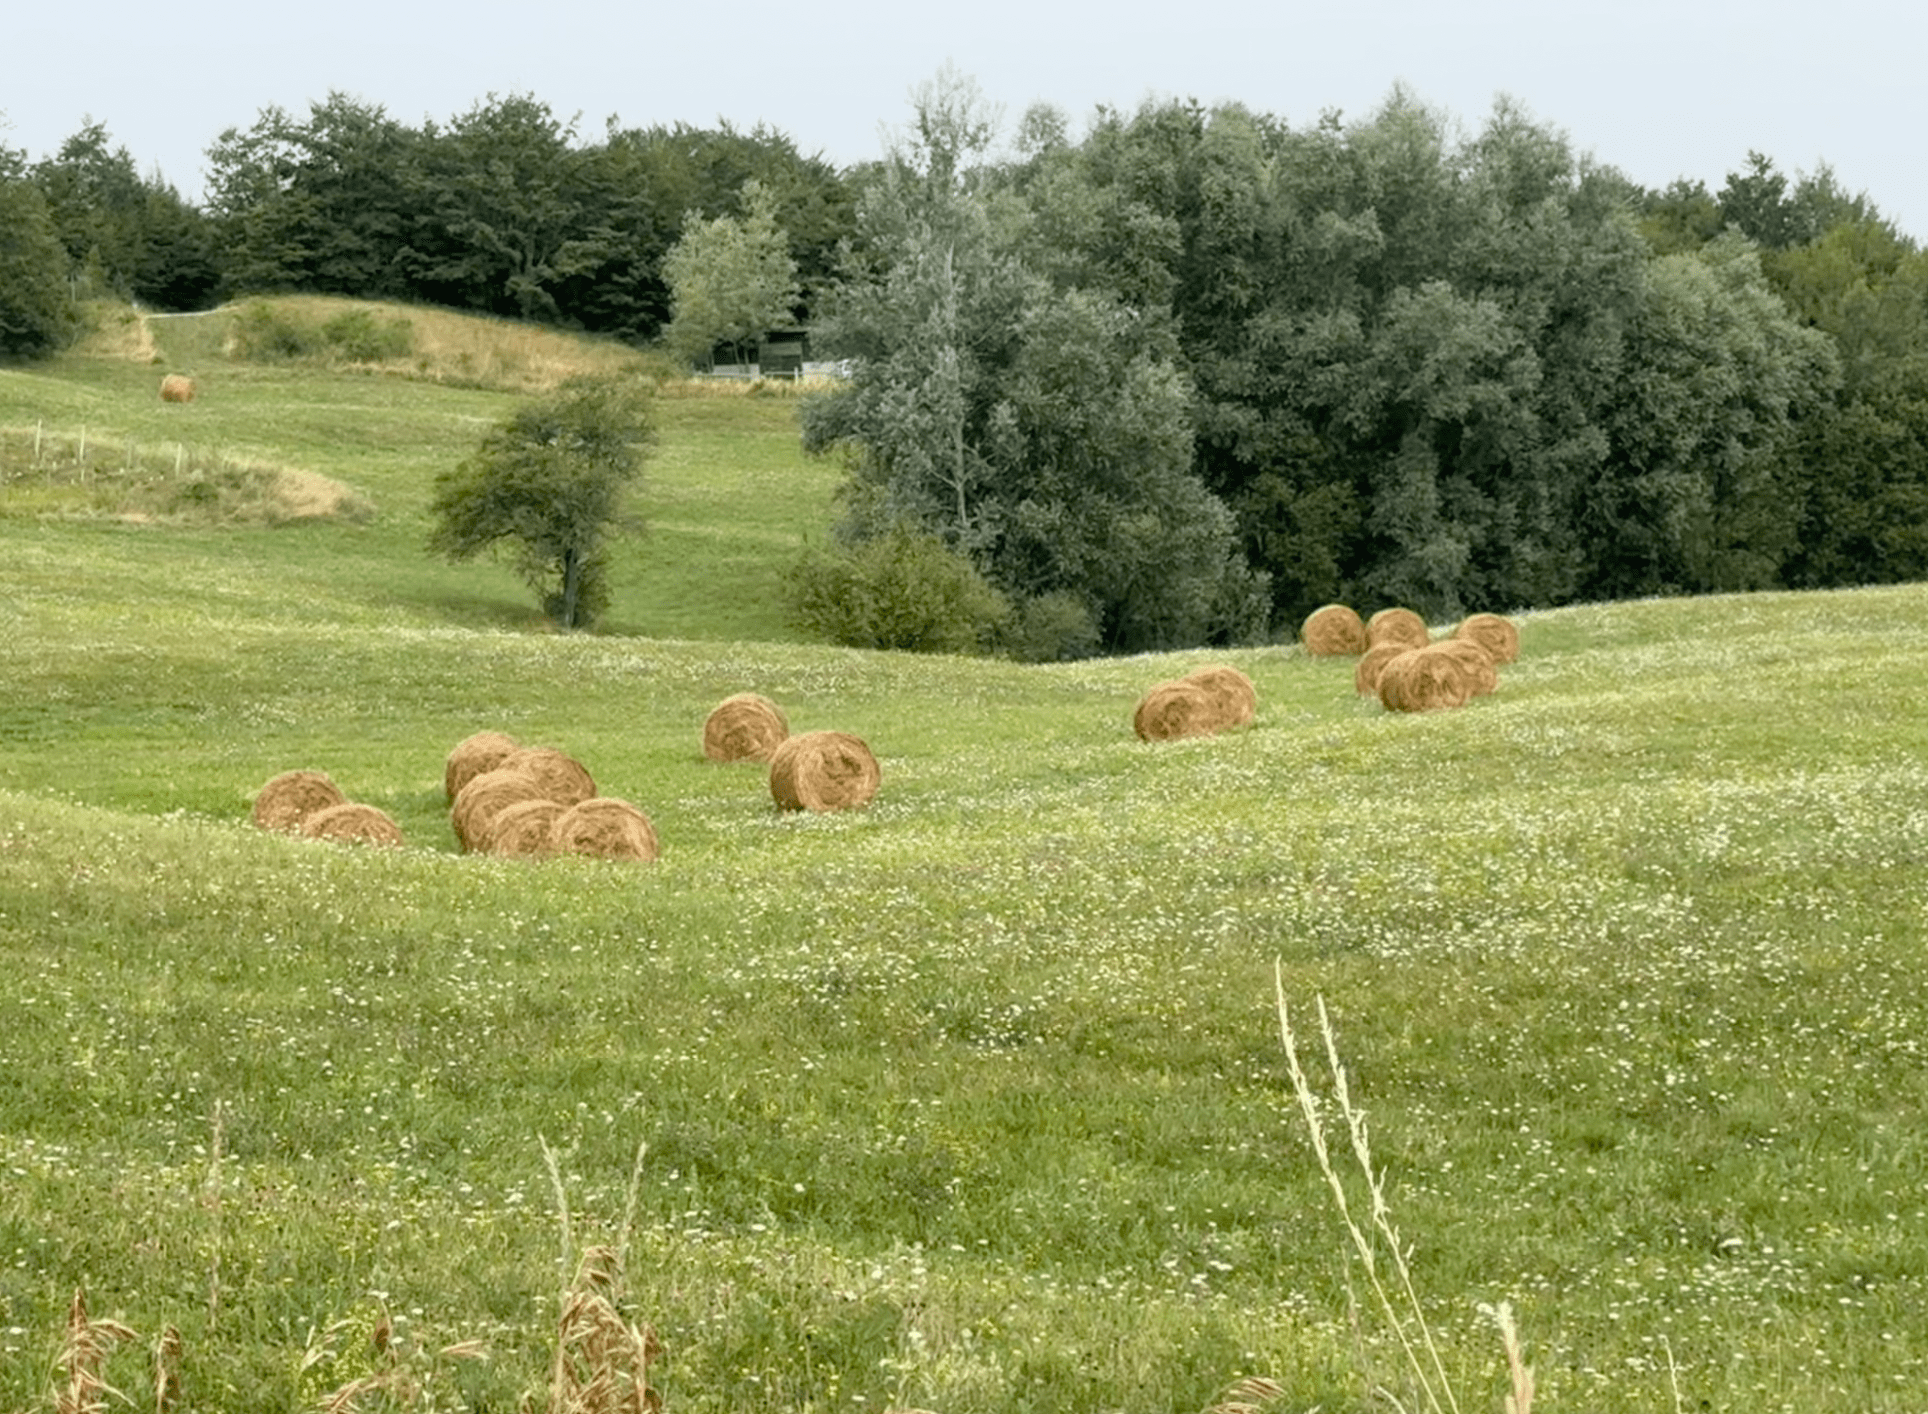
970	1101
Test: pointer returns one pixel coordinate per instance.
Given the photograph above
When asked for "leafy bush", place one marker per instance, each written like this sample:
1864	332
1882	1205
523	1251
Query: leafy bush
1052	628
263	332
359	337
905	590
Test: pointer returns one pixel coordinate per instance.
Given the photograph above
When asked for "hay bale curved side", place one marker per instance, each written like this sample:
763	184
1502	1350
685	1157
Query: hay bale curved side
177	388
1480	667
353	821
1422	681
561	776
1365	677
1335	631
291	797
1233	696
1397	626
521	830
483	799
604	828
744	727
473	755
823	771
1495	633
1175	709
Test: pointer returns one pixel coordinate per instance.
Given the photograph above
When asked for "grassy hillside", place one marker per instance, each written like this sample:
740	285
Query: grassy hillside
973	1100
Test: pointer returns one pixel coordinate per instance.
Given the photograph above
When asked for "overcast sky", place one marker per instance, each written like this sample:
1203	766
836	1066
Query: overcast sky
1660	90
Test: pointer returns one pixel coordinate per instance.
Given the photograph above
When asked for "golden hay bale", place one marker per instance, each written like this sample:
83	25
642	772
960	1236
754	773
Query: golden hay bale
1479	662
354	821
561	777
1335	631
1365	677
291	797
521	830
604	828
1424	681
1397	626
1233	696
471	757
177	388
823	771
1497	635
744	727
479	802
1175	709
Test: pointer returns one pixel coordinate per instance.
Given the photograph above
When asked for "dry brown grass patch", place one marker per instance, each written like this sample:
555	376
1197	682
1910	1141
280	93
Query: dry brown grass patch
604	828
1397	626
744	727
823	771
471	756
1233	697
1497	635
354	822
291	797
1335	631
1175	709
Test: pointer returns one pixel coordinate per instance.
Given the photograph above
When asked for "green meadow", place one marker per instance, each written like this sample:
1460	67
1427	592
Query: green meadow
973	1100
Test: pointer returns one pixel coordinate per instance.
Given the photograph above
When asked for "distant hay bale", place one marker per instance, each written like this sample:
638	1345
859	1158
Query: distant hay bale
291	797
562	777
1479	662
1397	626
1336	631
521	830
1365	677
1424	681
471	757
823	771
351	820
745	727
479	802
1175	709
177	388
604	828
1497	635
1233	696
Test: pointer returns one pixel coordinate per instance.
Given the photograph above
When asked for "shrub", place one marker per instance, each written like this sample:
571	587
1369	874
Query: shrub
357	336
1052	628
905	590
261	331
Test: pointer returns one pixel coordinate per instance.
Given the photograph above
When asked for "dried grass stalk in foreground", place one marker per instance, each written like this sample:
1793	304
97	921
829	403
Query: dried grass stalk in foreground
602	1360
1391	1287
82	1355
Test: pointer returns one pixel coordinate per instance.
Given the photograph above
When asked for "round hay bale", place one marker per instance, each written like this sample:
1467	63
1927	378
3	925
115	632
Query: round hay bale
1479	662
562	777
1336	631
1498	636
471	757
823	771
1397	626
1424	681
351	820
487	796
745	727
1175	709
1233	696
177	388
604	828
291	797
522	830
1365	677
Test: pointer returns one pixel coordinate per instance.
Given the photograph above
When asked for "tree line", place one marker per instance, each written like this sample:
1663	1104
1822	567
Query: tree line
1181	378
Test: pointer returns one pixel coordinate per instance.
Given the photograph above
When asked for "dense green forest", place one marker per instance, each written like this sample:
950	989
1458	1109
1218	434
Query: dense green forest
1178	379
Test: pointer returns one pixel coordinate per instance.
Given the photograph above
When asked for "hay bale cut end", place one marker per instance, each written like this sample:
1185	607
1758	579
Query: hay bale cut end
1175	709
1499	636
1424	681
291	797
522	830
1335	631
1233	696
177	388
487	796
562	777
1365	677
823	771
352	821
472	756
1397	626
604	828
744	727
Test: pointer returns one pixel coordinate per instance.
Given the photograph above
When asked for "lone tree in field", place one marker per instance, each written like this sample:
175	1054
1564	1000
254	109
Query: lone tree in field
548	483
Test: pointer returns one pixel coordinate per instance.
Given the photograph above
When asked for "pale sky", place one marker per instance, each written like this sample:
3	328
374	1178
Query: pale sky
1659	90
